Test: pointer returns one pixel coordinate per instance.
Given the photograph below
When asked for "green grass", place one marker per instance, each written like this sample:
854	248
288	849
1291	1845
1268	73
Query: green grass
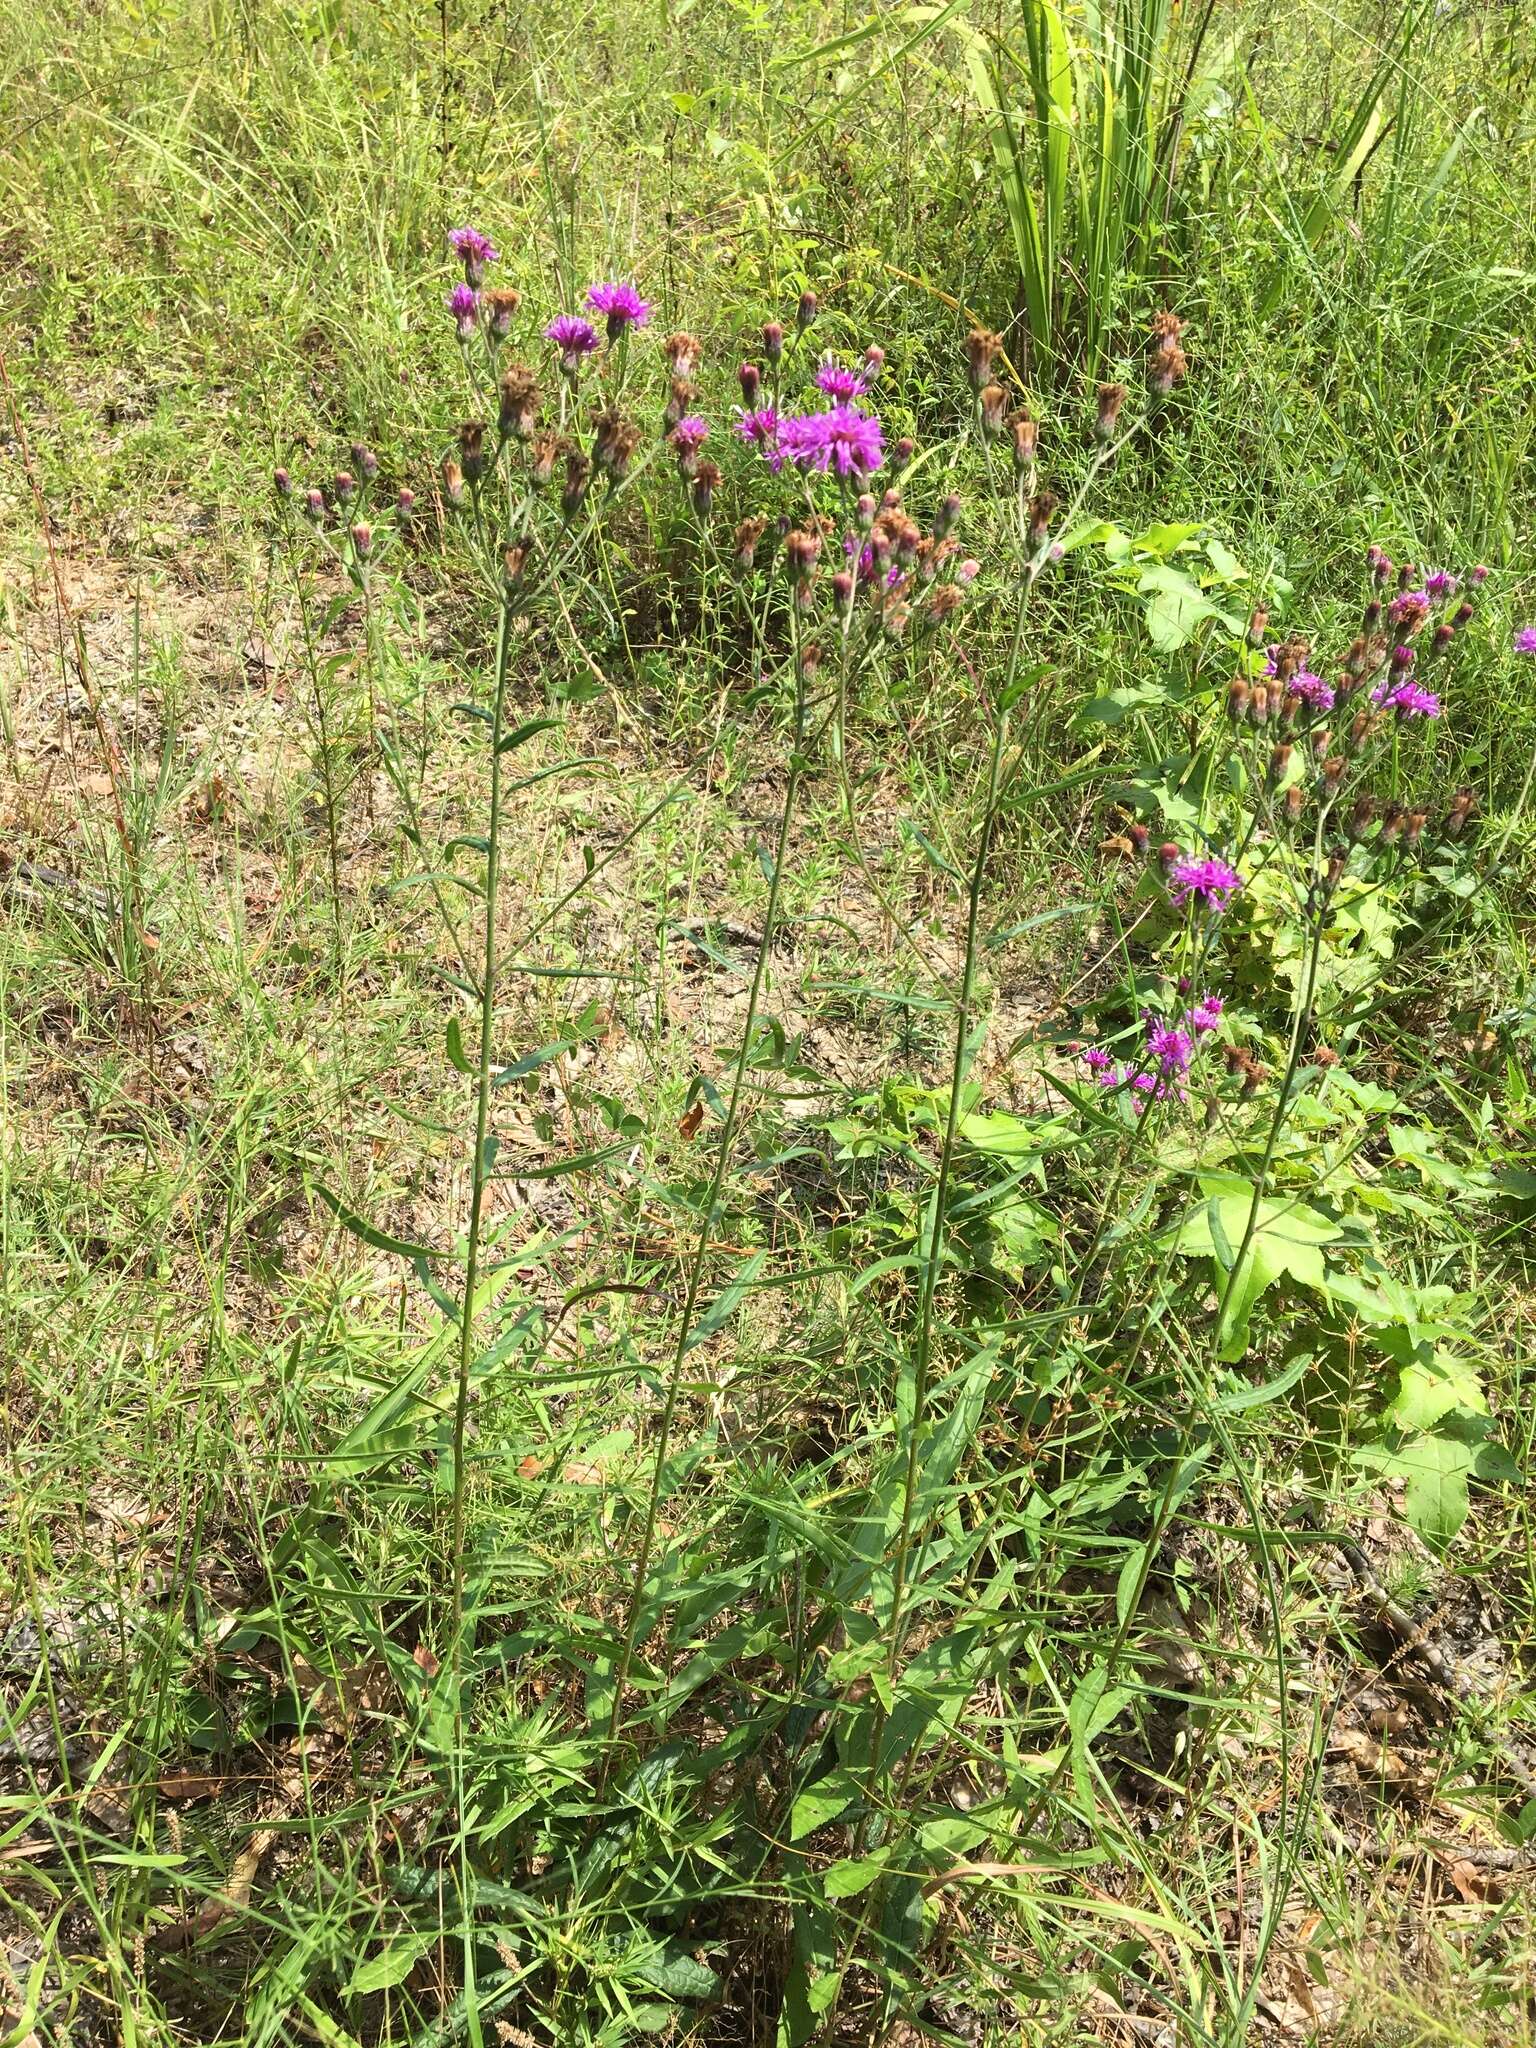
975	1677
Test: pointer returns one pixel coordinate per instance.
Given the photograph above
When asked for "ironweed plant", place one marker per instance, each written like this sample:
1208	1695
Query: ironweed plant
775	1709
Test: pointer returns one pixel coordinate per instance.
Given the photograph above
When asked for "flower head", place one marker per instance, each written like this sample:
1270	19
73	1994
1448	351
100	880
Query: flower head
475	249
1408	700
574	337
1169	1049
1408	610
463	302
1210	883
687	438
1205	1015
621	305
760	430
843	439
839	382
1312	690
1441	584
1525	640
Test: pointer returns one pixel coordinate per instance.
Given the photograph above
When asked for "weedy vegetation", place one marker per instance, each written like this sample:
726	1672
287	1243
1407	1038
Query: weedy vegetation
766	1025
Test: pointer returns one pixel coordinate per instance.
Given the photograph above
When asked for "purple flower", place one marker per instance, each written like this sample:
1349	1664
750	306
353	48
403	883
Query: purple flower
1525	640
1211	883
621	305
842	438
574	337
1407	700
1206	1014
1169	1049
1441	584
1312	690
838	382
463	302
760	430
475	249
1409	609
690	434
1101	1067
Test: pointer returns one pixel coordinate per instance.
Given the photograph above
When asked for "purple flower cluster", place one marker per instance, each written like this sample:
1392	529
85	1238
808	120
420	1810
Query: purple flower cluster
463	302
843	438
839	383
475	249
1166	1058
620	305
760	430
1312	690
1211	884
1406	698
1525	640
574	337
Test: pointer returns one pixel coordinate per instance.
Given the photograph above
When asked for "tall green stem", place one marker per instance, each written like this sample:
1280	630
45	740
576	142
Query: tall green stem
701	1246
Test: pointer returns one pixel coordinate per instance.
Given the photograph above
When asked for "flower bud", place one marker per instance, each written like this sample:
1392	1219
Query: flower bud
453	481
706	481
314	506
1237	699
1333	774
682	352
750	378
1279	763
1479	576
1321	739
578	478
947	518
1444	634
864	511
1361	816
472	449
1393	819
514	563
405	506
1381	568
993	403
842	587
681	396
1042	505
981	345
967	572
344	488
1414	831
364	461
543	455
747	536
807	310
282	483
1139	836
1293	804
1462	615
362	540
1361	727
902	454
1337	859
500	306
874	363
518	391
1462	806
1111	398
1258	704
773	340
1258	624
1026	439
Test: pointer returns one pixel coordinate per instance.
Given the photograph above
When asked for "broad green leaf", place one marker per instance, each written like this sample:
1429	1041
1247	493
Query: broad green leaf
391	1966
1286	1243
847	1879
821	1803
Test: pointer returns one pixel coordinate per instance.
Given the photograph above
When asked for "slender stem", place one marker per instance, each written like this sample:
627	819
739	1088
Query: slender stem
480	1167
701	1246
